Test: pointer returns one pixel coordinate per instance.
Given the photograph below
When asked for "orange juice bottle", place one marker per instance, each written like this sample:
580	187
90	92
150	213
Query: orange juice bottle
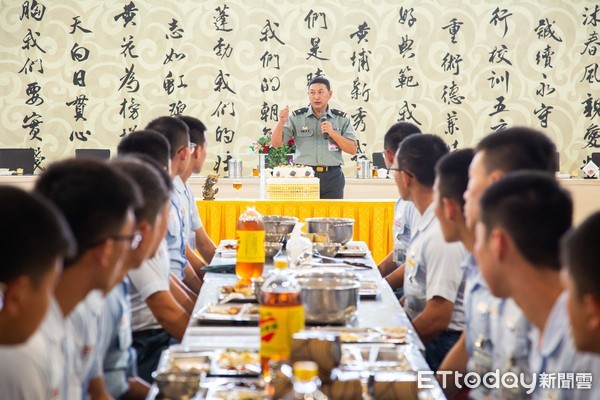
281	314
250	256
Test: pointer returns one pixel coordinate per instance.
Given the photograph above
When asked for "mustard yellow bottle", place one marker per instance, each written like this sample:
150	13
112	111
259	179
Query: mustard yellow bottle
250	256
281	314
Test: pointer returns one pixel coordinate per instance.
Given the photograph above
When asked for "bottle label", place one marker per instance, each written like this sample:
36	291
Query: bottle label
251	246
277	325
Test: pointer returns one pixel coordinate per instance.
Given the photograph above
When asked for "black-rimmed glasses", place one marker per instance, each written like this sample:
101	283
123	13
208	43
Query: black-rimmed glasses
400	170
134	240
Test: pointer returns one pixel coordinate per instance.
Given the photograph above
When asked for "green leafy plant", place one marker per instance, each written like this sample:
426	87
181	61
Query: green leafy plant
275	155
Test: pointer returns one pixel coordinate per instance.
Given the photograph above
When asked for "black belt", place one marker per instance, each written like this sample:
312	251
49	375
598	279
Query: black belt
147	333
324	168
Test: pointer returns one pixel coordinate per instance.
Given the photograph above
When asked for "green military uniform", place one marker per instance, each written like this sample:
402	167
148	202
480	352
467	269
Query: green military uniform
321	153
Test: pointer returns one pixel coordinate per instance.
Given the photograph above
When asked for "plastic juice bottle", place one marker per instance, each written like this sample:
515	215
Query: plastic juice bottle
250	256
281	314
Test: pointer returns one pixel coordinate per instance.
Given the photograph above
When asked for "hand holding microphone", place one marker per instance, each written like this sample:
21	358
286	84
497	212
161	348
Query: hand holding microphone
325	127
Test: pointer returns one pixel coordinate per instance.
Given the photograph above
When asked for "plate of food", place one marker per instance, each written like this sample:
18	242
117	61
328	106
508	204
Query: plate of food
235	362
353	249
227	249
373	357
368	289
196	361
238	389
237	294
228	314
370	335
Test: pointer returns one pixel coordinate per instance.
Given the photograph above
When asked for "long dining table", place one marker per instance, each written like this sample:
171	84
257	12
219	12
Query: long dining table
382	310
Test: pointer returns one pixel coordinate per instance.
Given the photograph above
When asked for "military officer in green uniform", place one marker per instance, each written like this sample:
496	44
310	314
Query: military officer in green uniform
321	134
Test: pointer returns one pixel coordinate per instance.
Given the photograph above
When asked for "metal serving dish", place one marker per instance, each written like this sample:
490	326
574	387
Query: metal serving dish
272	248
327	249
340	230
329	297
277	227
178	384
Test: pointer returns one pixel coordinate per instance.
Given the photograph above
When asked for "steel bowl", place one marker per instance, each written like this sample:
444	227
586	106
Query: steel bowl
328	297
277	227
272	248
178	384
340	230
327	249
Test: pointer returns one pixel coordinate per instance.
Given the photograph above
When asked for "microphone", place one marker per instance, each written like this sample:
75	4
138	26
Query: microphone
325	135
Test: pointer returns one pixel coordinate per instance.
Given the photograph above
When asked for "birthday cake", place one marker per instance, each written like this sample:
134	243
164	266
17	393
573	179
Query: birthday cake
293	183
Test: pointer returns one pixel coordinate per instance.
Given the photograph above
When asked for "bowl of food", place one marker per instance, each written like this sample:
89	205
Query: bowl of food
327	249
339	230
277	227
329	297
178	384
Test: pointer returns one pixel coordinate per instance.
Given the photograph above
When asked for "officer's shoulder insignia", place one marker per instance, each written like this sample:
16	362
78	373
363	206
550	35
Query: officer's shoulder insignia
338	112
300	111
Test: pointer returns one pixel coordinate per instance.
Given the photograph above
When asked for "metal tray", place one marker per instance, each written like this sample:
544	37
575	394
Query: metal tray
353	249
235	362
236	389
368	290
227	314
227	249
370	335
226	294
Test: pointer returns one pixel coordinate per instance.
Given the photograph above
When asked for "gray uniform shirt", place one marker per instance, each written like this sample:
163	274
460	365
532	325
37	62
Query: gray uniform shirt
311	148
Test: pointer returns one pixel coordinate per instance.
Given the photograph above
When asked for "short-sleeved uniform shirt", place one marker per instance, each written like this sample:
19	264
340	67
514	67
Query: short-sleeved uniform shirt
176	231
560	367
311	147
195	222
151	277
83	331
406	218
37	369
433	268
497	336
117	358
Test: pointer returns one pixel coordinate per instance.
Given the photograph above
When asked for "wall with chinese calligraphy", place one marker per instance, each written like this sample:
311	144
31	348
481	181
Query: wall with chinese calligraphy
84	74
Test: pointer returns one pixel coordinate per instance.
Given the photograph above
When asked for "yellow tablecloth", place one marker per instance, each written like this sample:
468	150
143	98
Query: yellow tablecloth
373	218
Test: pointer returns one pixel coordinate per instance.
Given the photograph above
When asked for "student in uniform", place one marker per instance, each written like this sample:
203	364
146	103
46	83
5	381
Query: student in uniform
160	304
35	240
523	217
97	202
581	277
496	332
177	134
116	360
451	179
196	235
405	215
433	279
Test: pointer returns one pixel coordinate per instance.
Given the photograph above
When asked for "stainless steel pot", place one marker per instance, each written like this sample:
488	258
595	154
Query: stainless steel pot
340	230
277	227
329	297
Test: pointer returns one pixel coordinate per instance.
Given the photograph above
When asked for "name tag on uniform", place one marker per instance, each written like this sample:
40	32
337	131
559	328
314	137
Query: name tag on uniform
304	129
333	146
